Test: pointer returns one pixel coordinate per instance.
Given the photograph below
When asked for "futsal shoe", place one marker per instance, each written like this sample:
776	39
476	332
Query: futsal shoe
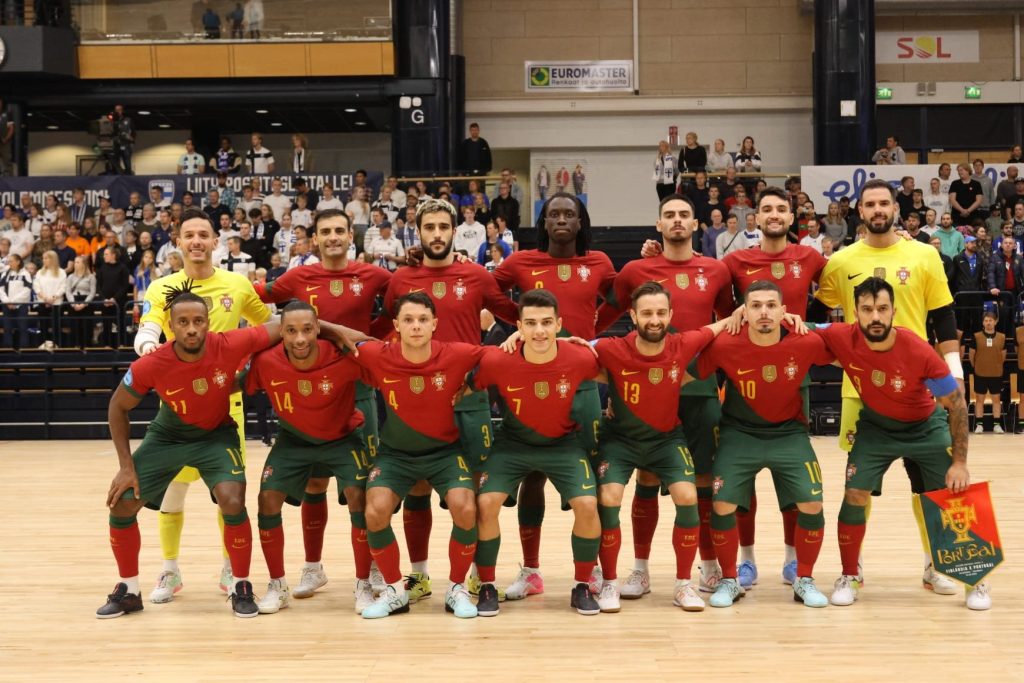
608	599
583	601
226	580
377	580
709	582
997	429
456	601
364	595
119	603
473	584
687	597
789	572
417	585
747	573
167	585
596	580
390	602
243	602
529	582
276	598
727	592
938	583
806	592
978	598
845	591
487	602
312	579
637	585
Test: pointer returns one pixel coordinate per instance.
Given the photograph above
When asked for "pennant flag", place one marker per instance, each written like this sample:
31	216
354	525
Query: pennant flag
962	534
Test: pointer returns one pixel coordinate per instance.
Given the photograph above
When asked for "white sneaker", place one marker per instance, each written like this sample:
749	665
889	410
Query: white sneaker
167	585
312	578
226	580
637	585
709	583
938	583
979	598
364	595
978	429
276	597
998	429
845	591
687	597
528	582
596	580
377	582
608	599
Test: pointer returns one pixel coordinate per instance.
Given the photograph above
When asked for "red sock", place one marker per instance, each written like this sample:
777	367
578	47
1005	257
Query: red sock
584	570
460	556
314	521
851	536
529	537
789	526
388	561
707	548
745	522
727	546
684	542
611	543
238	541
418	524
486	573
361	553
645	520
126	544
272	542
808	545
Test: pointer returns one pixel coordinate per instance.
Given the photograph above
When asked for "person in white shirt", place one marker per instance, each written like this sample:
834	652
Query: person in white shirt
248	202
814	238
398	197
358	210
719	159
284	239
16	293
191	163
329	200
751	233
470	234
385	204
300	214
731	240
259	159
935	198
386	250
377	221
20	237
279	203
930	226
236	260
303	256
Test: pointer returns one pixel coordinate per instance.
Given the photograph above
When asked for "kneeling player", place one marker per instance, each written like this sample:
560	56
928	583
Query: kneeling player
645	370
537	385
312	388
763	425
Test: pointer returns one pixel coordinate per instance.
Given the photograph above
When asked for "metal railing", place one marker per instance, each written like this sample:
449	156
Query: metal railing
96	324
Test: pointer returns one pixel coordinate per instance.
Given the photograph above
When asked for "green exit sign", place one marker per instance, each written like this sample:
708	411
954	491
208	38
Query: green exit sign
883	93
972	92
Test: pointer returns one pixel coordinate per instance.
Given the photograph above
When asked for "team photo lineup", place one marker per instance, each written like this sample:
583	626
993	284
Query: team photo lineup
386	380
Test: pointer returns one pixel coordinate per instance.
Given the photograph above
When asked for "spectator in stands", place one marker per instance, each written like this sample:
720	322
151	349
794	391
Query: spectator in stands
225	230
80	291
143	275
276	269
731	240
506	206
966	196
469	234
265	227
748	159
987	356
506	234
947	263
19	236
5	253
76	241
930	225
827	249
913	228
495	255
905	196
935	198
359	209
254	18
1006	231
175	262
891	154
373	231
952	240
49	286
225	159
34	221
236	260
833	226
967	268
15	294
697	190
79	210
187	202
727	184
303	256
1006	270
5	218
113	287
248	202
130	251
739	205
211	24
191	162
227	193
917	205
301	215
65	254
302	161
994	221
751	233
493	238
987	189
149	220
162	231
238	217
236	19
146	242
715	227
1015	155
386	250
133	212
1017	221
814	239
259	159
474	155
713	202
719	159
480	208
405	230
214	208
666	170
1006	190
694	156
398	196
302	189
285	239
119	224
252	246
805	212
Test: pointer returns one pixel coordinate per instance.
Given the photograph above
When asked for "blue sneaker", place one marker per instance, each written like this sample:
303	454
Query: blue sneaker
727	592
747	573
390	602
806	592
789	573
457	601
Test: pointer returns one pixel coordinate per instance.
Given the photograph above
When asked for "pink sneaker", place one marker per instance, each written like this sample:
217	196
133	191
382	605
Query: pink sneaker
529	582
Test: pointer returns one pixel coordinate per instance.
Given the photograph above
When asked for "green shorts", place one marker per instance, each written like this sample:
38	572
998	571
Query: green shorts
700	416
161	455
586	412
564	462
881	440
473	417
788	455
292	460
443	469
668	458
366	403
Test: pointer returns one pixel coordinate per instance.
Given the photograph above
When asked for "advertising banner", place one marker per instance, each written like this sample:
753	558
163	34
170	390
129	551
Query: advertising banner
824	184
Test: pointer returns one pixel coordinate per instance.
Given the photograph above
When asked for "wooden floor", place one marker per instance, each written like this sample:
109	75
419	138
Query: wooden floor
56	568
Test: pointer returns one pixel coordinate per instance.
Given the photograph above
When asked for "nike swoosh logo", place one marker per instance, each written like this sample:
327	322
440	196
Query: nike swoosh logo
465	478
483	458
360	477
660	281
850	277
854	367
310	289
687	473
587	487
537	272
627	373
391	381
687	545
237	471
277	384
744	372
471	553
513	389
755	270
815	492
172	393
413	291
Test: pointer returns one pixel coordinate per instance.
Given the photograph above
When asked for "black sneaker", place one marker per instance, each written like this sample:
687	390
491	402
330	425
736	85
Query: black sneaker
119	603
487	601
243	602
583	601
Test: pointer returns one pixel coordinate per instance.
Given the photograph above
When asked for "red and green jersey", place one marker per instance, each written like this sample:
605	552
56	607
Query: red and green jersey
537	396
460	291
700	289
577	282
418	396
794	270
195	394
893	383
763	382
344	297
645	389
316	405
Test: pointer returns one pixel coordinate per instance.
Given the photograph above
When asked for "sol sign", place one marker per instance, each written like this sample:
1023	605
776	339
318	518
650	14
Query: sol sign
898	47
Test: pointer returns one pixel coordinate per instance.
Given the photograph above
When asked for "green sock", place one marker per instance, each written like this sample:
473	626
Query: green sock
686	516
585	549
487	552
381	539
267	522
235	520
122	522
530	515
853	514
644	491
609	516
811	522
723	522
314	497
358	519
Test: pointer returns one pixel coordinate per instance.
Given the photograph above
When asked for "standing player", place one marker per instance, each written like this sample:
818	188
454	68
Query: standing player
699	289
763	425
312	388
420	378
459	291
229	298
922	294
537	385
563	264
644	370
899	378
343	292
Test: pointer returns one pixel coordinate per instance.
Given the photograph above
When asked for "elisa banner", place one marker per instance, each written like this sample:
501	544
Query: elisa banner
962	532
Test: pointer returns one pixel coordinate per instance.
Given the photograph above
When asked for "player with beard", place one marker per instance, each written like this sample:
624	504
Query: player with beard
922	294
699	288
343	292
563	264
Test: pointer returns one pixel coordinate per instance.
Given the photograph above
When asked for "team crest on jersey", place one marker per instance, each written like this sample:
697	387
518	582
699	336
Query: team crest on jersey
655	375
227	302
769	372
416	384
305	387
438	381
880	272
851	470
903	274
208	300
374	473
673	373
795	268
460	289
702	280
268	472
851	436
356	287
583	272
778	270
541	390
220	378
897	383
200	386
325	386
439	289
682	280
563	388
337	287
564	272
791	370
602	469
878	378
717	485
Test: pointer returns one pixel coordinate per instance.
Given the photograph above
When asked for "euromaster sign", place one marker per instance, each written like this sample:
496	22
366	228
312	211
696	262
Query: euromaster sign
909	47
600	76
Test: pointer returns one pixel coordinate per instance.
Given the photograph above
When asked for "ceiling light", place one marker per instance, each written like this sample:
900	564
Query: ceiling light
143	112
164	125
28	114
52	128
350	110
261	111
276	124
360	123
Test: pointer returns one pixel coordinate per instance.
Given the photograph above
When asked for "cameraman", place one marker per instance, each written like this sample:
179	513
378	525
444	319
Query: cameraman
892	154
124	140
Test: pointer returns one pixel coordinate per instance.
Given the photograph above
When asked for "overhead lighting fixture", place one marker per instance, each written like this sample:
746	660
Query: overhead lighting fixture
350	110
143	112
164	125
52	128
276	124
28	114
360	123
262	111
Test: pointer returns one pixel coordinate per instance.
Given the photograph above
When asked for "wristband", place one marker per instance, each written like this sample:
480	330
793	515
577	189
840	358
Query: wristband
956	368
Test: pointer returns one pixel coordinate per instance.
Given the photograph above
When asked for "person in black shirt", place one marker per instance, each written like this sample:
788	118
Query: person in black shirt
264	229
695	157
1016	156
506	206
113	284
965	197
475	153
253	246
124	140
905	197
214	209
